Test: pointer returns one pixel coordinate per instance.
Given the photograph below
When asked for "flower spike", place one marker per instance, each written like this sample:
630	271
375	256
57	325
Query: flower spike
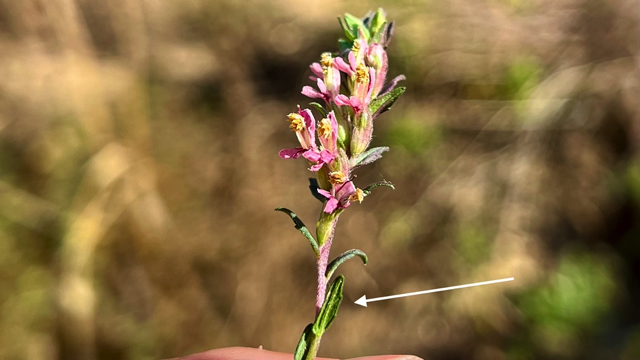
338	144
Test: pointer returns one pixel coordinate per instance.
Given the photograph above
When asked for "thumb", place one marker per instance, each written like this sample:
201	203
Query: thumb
243	353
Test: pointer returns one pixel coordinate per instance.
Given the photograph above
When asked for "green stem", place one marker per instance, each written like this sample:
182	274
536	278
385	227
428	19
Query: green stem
313	347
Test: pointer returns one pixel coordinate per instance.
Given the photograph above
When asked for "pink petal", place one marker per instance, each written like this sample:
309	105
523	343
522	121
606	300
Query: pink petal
372	80
313	78
342	66
311	92
352	61
311	155
356	103
324	193
309	120
343	193
326	156
332	204
291	153
316	68
322	86
316	167
342	100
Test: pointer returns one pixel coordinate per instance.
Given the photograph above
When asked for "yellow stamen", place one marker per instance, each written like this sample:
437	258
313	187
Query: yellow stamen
355	48
362	73
297	122
337	177
358	195
325	60
324	128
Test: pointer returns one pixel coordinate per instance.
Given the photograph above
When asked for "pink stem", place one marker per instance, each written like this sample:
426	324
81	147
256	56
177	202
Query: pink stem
323	261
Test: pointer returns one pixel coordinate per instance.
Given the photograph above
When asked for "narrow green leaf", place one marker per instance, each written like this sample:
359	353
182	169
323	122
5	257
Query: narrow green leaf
303	344
370	156
352	21
379	33
368	189
320	108
378	21
384	102
329	309
300	226
348	32
333	265
356	25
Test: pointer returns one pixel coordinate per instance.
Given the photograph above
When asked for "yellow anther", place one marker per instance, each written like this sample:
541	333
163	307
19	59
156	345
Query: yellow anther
357	196
362	73
325	60
355	48
324	128
297	122
337	177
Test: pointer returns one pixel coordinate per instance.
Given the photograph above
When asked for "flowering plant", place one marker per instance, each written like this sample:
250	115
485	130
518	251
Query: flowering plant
351	85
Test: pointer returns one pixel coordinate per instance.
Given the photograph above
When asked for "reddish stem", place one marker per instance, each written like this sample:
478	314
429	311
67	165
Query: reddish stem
323	261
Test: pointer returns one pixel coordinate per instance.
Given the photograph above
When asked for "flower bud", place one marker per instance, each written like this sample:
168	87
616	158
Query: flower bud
326	226
362	133
377	59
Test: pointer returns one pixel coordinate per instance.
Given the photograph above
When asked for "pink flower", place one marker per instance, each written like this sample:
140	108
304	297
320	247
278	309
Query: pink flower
327	77
316	69
344	67
377	59
353	101
356	57
315	94
328	133
304	125
362	77
341	196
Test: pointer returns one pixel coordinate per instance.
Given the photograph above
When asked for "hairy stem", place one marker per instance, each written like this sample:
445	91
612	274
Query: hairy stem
313	347
323	261
321	293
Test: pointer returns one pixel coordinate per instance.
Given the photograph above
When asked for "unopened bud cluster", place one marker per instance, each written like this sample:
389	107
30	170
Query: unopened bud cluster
351	85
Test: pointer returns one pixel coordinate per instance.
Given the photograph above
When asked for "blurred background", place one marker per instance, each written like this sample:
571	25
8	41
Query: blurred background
139	173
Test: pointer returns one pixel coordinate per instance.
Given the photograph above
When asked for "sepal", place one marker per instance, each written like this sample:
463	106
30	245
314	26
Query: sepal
326	225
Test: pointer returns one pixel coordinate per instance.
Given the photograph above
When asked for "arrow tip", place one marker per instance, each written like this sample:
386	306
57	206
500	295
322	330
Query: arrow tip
362	301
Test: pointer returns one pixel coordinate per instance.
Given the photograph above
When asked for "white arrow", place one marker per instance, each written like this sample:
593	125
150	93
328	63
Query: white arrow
363	300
